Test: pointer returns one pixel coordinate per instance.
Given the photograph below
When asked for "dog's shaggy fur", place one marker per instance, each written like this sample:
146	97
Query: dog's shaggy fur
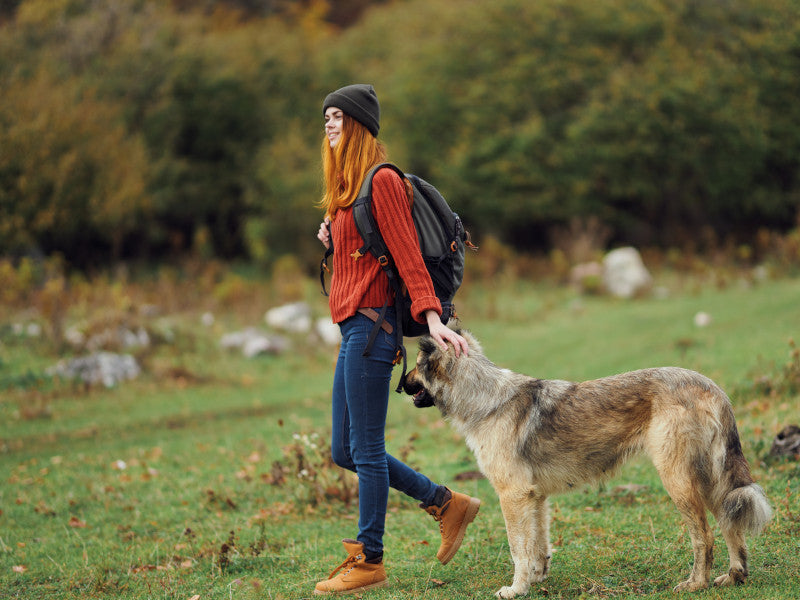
536	437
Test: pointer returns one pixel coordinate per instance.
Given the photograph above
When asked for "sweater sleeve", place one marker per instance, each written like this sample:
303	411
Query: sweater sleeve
393	215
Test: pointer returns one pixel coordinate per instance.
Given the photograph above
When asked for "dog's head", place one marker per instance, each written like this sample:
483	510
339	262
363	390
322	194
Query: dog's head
435	369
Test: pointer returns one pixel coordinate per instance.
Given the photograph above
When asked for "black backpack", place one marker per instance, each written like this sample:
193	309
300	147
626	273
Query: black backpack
442	241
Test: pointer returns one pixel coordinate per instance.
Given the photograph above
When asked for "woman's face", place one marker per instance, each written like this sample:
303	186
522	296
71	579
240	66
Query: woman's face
334	118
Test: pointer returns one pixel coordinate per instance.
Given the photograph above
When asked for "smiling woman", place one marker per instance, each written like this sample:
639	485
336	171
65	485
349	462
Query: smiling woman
360	288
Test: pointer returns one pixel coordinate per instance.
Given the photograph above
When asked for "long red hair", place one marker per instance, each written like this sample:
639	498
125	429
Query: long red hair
345	165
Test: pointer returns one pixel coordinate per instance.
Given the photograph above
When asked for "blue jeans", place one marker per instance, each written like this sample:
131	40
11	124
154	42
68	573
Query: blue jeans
360	402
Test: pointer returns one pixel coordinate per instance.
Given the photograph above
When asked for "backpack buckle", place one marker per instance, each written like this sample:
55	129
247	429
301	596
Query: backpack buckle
383	260
357	254
398	357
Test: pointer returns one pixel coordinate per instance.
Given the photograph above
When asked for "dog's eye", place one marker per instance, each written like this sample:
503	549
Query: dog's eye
422	361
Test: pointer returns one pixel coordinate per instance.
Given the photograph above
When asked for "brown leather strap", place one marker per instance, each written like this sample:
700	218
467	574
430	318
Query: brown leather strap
373	315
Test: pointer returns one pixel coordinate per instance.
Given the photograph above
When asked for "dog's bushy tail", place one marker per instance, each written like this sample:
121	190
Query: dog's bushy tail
744	506
746	509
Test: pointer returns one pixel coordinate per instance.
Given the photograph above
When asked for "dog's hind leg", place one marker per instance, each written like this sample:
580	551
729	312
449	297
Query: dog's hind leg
685	493
743	509
737	551
527	527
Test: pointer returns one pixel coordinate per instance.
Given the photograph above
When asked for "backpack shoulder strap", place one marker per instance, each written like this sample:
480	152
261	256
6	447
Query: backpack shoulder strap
365	221
373	243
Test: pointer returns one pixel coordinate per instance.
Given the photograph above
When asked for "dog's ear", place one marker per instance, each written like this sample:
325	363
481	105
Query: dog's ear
426	345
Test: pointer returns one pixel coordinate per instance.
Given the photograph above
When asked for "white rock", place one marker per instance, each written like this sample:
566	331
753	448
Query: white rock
328	331
101	367
702	319
253	342
264	345
236	339
134	339
295	317
624	273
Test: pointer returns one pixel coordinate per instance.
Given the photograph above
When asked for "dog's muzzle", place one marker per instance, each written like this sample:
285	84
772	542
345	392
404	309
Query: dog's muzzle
422	399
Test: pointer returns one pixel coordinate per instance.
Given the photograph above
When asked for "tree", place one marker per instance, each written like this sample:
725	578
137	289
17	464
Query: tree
71	180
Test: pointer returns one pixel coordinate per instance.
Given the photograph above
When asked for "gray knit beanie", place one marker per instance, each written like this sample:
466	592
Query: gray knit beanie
358	101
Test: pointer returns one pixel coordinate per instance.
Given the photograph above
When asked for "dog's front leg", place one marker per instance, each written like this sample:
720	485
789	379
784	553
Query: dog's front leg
524	512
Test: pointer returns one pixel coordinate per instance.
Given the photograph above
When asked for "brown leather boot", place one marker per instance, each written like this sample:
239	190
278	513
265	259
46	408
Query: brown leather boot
356	575
454	515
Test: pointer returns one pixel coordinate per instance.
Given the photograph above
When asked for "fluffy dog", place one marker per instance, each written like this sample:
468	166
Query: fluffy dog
536	437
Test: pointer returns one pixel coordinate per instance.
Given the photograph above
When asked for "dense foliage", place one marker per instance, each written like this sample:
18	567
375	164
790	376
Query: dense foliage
137	128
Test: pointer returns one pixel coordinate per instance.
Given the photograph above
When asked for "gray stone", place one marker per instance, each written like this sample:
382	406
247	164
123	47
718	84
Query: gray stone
294	318
624	273
252	342
101	367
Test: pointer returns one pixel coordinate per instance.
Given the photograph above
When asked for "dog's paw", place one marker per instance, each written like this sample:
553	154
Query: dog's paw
511	591
690	586
732	577
724	581
541	568
539	575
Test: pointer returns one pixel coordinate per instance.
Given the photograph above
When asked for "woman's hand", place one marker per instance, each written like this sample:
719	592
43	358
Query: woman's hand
442	334
324	233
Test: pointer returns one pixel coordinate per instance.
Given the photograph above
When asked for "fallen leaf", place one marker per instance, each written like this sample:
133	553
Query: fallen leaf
437	582
143	568
195	597
147	568
42	509
19	568
76	522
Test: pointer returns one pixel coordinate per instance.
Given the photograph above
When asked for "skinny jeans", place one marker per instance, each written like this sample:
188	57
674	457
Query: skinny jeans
360	402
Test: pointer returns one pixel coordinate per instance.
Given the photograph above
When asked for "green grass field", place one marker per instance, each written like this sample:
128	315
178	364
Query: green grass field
183	484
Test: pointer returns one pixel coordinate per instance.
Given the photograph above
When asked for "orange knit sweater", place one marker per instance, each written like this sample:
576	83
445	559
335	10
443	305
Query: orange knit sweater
362	283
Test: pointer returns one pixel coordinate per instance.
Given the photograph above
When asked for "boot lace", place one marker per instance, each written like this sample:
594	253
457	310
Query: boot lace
436	513
349	564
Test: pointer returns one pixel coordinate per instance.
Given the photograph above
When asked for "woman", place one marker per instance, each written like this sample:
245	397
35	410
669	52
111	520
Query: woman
361	384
